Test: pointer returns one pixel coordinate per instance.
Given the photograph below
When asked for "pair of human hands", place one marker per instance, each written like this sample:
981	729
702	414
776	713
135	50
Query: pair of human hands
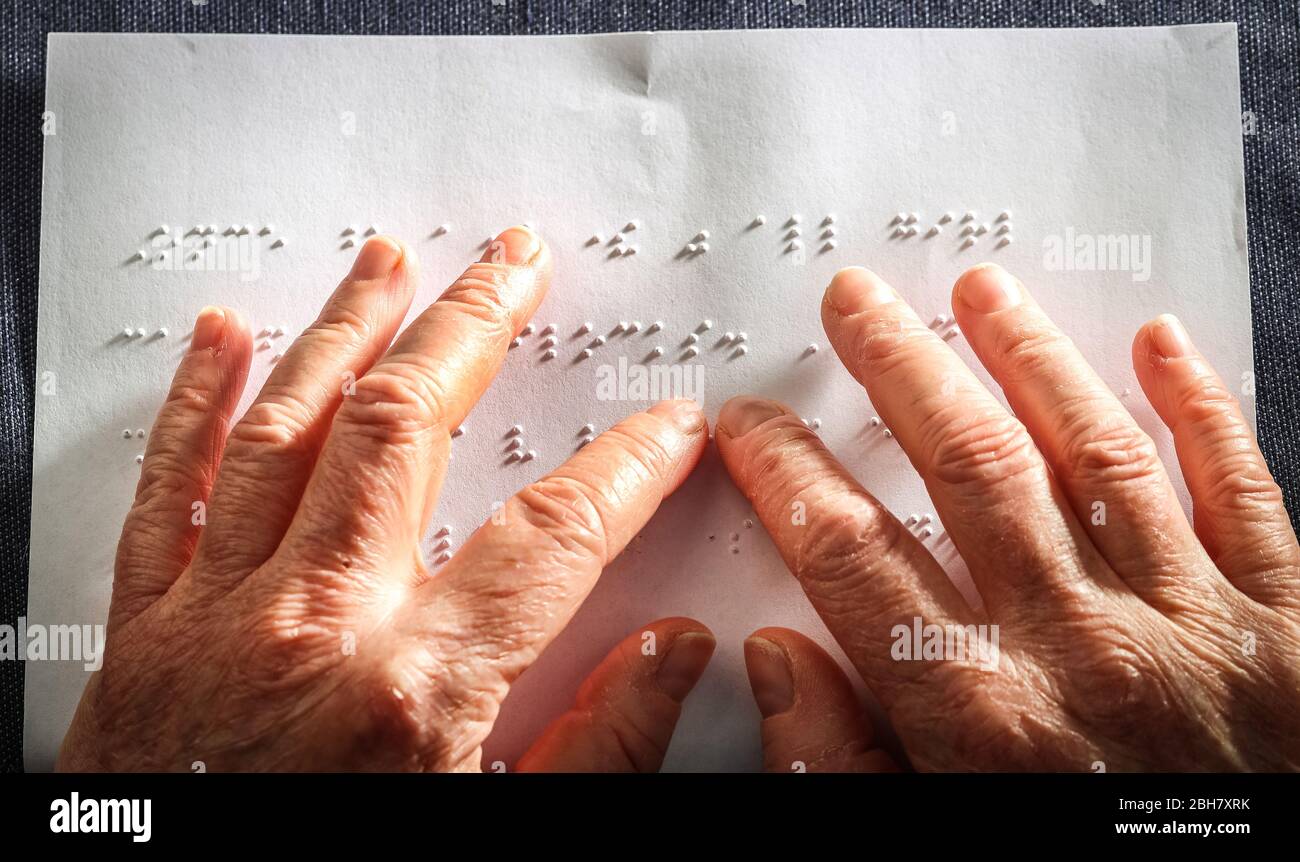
295	626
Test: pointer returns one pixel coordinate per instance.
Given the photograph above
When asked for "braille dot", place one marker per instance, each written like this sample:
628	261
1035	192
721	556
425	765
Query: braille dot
912	218
245	229
126	433
927	533
442	229
631	249
585	440
162	332
829	220
968	242
513	457
795	245
585	328
656	326
139	459
815	424
632	225
898	218
1006	240
139	432
634	326
515	443
875	421
792	233
795	219
372	230
899	231
460	429
587	429
586	353
516	430
598	340
945	218
741	350
1005	227
279	243
690	353
728	337
741	337
829	245
828	233
139	255
889	433
749	525
1004	215
934	230
706	325
128	332
527	330
692	248
442	558
981	230
969	216
811	349
912	519
140	333
759	221
550	354
967	230
266	229
530	455
616	239
548	341
657	352
515	342
348	243
911	230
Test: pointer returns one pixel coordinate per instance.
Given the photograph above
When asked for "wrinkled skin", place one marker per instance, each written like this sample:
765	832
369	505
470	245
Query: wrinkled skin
299	628
288	622
1133	642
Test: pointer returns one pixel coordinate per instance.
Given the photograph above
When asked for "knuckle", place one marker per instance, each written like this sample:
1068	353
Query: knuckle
480	293
1032	350
883	342
1238	482
844	545
1116	451
280	423
187	404
395	403
338	326
566	508
982	447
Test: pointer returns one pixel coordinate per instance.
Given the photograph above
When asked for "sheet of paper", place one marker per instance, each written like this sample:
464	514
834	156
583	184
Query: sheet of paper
1125	141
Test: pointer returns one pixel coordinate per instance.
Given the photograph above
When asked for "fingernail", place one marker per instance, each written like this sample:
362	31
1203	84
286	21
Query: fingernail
688	656
769	676
1170	337
376	259
854	290
743	414
684	413
515	246
209	328
988	288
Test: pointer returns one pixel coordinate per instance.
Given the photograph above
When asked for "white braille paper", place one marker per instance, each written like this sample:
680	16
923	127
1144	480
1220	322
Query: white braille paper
1119	151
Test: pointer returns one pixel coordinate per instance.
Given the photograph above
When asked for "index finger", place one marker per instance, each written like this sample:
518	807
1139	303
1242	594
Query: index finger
385	458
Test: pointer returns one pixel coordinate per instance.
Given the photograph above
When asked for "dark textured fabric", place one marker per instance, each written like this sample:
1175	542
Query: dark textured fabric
1270	70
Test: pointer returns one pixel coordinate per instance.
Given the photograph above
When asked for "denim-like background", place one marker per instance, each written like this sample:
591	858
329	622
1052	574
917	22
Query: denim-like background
1270	89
